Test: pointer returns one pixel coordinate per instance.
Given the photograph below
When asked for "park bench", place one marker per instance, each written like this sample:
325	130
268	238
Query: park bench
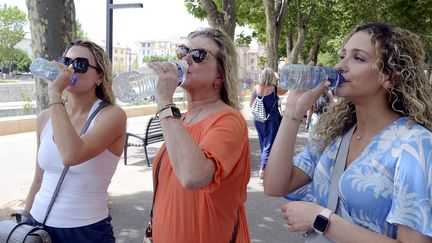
153	134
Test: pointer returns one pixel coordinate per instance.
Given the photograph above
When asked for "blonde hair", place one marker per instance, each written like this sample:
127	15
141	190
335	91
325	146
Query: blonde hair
227	64
104	90
267	77
400	61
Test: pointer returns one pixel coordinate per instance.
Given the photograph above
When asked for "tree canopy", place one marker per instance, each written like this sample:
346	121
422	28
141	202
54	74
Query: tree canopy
315	29
12	22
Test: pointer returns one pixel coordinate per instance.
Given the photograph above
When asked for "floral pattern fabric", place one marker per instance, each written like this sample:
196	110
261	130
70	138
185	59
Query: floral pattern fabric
389	183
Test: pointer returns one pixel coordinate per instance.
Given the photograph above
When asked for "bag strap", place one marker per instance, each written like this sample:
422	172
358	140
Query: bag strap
234	234
338	169
66	168
156	184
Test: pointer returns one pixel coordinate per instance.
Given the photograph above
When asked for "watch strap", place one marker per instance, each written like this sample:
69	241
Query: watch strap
171	111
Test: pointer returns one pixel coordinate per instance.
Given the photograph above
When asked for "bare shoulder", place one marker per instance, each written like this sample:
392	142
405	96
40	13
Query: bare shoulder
42	119
113	113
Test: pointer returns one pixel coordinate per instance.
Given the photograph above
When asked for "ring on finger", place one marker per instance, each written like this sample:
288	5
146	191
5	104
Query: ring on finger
164	69
66	69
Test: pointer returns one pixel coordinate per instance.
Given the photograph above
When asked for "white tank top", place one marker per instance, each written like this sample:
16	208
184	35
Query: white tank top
82	199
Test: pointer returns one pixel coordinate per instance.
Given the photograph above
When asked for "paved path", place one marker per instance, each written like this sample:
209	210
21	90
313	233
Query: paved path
130	193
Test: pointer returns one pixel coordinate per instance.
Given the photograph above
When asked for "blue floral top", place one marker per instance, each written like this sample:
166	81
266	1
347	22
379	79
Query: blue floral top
389	183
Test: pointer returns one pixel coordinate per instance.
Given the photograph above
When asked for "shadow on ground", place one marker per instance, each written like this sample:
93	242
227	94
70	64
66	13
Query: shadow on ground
137	213
263	213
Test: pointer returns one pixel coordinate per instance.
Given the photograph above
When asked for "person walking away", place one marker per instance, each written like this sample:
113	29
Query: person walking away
268	92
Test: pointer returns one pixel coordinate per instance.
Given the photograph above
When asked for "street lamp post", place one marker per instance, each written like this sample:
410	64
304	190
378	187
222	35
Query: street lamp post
109	24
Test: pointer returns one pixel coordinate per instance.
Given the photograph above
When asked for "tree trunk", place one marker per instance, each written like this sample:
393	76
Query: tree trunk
276	12
301	35
428	69
289	44
313	52
225	20
52	25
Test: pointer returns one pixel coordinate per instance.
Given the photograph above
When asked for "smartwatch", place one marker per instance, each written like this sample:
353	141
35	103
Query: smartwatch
322	221
171	111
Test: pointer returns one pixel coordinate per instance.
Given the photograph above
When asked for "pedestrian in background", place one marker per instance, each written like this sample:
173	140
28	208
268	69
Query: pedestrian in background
80	211
267	91
385	193
204	164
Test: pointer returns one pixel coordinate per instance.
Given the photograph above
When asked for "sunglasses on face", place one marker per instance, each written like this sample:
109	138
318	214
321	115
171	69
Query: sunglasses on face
80	64
198	55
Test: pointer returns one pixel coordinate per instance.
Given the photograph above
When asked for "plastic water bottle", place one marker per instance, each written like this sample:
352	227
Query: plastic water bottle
46	70
141	83
298	76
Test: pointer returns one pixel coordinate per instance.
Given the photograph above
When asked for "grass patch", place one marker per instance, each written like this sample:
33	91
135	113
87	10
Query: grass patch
7	81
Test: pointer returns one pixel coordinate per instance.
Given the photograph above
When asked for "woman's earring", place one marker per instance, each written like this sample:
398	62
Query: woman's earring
214	86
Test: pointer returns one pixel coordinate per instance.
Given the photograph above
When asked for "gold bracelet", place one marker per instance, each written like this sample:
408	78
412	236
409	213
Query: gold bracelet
293	118
56	101
165	107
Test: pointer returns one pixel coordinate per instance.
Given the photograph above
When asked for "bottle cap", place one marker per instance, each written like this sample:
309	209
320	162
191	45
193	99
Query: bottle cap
182	67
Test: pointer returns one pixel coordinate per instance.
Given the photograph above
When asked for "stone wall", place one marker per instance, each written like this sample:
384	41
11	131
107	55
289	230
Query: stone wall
12	92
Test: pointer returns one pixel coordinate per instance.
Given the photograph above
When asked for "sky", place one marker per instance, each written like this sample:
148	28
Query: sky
158	19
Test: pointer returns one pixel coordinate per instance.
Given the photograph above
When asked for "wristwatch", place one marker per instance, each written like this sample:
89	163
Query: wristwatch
322	221
171	111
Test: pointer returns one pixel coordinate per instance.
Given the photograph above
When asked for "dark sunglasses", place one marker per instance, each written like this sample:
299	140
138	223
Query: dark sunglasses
198	55
80	64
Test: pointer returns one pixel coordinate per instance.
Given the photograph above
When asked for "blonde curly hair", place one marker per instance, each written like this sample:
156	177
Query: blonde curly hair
400	61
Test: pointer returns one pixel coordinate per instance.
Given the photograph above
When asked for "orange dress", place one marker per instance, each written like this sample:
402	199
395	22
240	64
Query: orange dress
209	214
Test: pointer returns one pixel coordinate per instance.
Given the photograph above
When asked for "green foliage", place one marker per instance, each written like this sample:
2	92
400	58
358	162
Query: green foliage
243	39
80	33
331	19
22	61
12	22
262	62
7	81
27	107
327	59
157	58
194	8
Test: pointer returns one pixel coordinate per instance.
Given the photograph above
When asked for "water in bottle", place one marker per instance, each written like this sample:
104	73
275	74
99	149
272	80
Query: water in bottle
298	76
46	70
140	83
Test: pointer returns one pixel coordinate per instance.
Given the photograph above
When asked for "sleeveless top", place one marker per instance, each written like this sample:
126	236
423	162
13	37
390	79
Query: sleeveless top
82	199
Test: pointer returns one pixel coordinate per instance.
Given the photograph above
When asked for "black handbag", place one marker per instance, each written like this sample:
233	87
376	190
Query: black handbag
17	232
13	232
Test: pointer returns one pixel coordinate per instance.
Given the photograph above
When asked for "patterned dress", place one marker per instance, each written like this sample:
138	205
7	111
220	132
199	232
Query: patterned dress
389	183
